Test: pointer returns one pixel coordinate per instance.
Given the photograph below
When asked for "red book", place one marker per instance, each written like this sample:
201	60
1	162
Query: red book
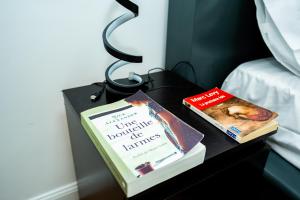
238	118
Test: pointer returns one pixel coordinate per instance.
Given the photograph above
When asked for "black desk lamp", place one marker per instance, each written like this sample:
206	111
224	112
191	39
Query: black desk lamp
136	81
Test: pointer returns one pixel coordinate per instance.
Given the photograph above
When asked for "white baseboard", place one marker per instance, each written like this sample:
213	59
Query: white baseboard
65	192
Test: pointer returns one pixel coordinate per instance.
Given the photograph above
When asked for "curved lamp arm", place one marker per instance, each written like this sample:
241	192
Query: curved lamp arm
115	24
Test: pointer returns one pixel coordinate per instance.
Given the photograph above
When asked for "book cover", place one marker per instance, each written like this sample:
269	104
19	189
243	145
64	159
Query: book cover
137	136
238	118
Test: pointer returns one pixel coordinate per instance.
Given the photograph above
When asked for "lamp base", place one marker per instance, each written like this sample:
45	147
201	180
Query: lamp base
113	95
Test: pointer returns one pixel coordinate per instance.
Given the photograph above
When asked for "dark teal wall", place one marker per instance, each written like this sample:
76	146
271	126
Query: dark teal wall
215	36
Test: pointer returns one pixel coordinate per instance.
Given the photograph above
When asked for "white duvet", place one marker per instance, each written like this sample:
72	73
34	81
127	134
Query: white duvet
266	83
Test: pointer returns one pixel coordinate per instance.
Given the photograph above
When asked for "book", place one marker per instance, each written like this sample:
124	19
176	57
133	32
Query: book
142	143
238	118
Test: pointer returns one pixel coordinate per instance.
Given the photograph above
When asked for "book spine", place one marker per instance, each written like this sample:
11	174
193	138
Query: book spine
105	157
211	120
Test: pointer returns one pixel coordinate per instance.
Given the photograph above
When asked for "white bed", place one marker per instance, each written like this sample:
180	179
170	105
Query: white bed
267	83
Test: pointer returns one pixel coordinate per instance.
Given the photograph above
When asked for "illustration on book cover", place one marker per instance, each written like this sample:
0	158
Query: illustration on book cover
237	116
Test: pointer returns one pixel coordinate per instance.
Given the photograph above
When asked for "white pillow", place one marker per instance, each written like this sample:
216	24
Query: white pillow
279	24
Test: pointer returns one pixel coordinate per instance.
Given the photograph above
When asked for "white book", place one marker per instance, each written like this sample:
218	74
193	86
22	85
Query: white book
142	143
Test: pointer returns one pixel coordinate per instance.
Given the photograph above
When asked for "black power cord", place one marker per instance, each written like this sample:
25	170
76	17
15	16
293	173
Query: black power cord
96	96
187	63
150	79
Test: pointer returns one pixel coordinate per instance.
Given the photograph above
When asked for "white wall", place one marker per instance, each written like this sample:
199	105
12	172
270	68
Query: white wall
47	46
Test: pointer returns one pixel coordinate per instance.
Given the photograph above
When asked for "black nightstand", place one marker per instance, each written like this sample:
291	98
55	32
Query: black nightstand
230	169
